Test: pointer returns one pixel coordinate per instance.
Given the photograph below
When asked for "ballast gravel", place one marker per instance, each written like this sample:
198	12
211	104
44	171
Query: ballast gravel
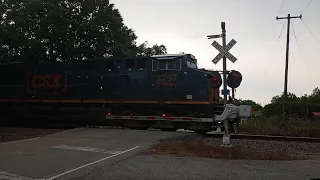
309	149
301	148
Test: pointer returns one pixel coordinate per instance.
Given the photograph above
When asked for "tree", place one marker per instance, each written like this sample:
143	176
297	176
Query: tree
254	105
295	104
315	96
290	97
65	30
144	50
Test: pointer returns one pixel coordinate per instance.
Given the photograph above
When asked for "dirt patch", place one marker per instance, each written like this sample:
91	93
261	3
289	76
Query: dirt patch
8	134
201	148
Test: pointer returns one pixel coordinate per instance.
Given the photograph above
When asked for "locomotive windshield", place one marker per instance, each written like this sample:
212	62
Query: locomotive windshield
174	62
165	64
192	62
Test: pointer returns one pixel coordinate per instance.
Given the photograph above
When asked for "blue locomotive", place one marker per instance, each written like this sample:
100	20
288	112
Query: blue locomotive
160	85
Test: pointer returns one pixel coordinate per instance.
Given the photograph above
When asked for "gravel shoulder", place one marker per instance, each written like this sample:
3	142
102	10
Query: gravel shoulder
8	134
209	147
295	148
185	168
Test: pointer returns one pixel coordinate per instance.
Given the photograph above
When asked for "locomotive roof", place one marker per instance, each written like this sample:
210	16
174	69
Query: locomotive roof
168	55
172	56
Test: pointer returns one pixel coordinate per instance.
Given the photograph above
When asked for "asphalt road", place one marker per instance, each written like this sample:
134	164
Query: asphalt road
117	154
61	155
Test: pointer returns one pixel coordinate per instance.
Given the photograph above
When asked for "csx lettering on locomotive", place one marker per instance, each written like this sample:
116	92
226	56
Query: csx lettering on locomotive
47	81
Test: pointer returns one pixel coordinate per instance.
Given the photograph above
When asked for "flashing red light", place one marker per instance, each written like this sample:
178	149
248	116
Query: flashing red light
213	79
163	115
234	79
109	114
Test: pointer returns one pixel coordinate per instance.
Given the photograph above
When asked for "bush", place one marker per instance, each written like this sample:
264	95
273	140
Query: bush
277	126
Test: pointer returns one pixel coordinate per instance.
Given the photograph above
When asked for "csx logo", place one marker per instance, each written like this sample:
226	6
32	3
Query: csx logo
47	81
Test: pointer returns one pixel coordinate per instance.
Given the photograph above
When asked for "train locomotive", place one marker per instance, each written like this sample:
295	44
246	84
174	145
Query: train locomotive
168	92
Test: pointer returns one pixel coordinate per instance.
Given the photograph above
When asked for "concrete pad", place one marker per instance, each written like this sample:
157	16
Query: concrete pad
63	153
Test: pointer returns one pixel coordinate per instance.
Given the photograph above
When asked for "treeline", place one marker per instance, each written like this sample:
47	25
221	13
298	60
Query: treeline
304	104
64	30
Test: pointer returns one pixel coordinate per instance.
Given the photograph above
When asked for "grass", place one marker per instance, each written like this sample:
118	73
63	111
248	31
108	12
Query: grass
200	148
277	126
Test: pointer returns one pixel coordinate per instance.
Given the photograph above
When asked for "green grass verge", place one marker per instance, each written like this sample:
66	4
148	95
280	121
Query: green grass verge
277	126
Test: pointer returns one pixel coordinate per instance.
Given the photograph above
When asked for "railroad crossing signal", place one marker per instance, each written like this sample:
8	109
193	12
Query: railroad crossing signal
215	80
224	51
234	79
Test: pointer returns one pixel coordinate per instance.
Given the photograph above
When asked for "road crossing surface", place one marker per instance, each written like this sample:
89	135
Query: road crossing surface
87	153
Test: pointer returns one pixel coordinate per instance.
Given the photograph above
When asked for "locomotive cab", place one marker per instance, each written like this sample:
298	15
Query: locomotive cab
180	73
174	62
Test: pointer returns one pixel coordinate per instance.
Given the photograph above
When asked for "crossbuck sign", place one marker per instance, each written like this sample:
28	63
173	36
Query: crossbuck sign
224	51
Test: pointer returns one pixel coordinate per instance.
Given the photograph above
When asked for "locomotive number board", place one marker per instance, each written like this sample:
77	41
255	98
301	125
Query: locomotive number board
166	79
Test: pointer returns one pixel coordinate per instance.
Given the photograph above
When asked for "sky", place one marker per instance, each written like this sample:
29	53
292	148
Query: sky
183	26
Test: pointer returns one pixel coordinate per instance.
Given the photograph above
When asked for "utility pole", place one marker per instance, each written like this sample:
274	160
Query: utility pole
284	105
223	27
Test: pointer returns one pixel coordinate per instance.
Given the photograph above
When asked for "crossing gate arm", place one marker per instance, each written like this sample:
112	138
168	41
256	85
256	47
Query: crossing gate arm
231	112
158	118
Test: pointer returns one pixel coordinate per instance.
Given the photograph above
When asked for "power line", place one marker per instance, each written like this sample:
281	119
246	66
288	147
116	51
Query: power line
306	7
294	32
272	55
282	5
274	50
310	31
295	36
285	26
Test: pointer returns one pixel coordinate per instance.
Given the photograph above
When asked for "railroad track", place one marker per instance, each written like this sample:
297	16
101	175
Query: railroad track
243	136
267	137
72	124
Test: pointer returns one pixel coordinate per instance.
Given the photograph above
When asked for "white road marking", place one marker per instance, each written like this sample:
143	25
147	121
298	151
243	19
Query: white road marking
10	142
9	176
88	149
89	164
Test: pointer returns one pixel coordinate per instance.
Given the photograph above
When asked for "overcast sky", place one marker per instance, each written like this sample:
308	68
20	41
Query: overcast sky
182	25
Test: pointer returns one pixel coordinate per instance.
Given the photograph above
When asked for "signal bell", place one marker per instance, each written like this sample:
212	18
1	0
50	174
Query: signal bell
234	79
214	79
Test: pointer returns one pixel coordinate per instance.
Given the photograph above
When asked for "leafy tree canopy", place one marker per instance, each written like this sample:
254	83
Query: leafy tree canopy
66	30
306	103
144	50
314	97
254	105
